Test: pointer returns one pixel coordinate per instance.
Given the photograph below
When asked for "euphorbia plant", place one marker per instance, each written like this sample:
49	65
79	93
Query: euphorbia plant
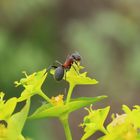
57	106
123	127
11	124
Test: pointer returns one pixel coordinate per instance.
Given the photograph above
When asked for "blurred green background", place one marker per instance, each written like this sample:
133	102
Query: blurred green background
35	33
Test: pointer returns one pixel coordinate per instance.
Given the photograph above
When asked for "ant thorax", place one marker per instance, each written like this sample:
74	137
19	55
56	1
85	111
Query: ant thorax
69	61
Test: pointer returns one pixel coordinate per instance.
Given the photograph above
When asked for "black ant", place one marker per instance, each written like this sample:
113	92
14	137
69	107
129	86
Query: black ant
3	122
60	70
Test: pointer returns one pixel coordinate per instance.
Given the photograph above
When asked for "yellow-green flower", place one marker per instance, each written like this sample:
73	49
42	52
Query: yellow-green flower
118	120
94	121
73	76
125	126
58	100
32	84
11	125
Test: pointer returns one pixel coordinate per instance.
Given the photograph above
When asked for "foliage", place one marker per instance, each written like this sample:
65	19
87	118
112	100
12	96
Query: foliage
55	106
123	127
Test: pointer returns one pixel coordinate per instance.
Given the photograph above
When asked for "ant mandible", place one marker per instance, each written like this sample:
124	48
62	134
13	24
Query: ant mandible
60	70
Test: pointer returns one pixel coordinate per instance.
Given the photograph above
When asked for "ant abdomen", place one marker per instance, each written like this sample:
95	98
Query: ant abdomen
59	73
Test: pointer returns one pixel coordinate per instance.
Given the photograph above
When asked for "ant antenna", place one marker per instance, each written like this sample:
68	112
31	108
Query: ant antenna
75	70
50	67
58	62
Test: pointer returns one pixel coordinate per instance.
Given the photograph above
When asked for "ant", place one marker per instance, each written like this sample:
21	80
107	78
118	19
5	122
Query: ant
60	70
3	122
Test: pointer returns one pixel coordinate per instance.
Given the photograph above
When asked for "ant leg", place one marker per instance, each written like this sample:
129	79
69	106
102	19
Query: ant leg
50	67
68	56
76	70
58	62
76	63
65	91
65	74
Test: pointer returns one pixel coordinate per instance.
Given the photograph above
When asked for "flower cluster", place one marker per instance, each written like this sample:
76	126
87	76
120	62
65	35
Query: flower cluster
58	100
123	127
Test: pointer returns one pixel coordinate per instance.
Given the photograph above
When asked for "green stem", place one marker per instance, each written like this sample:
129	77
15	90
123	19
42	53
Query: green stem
70	92
43	95
21	137
65	123
104	130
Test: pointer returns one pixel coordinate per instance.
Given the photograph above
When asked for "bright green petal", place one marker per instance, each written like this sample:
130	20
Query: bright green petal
25	95
34	80
94	122
126	109
87	135
73	76
133	115
32	84
80	79
7	108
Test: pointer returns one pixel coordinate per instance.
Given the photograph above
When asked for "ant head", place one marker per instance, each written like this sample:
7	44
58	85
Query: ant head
76	56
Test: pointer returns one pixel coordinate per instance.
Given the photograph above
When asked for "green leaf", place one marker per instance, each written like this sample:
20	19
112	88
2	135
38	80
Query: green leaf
17	121
78	103
56	111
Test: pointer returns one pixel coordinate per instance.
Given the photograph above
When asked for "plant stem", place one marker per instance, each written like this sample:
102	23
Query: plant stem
43	95
104	131
65	123
70	92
